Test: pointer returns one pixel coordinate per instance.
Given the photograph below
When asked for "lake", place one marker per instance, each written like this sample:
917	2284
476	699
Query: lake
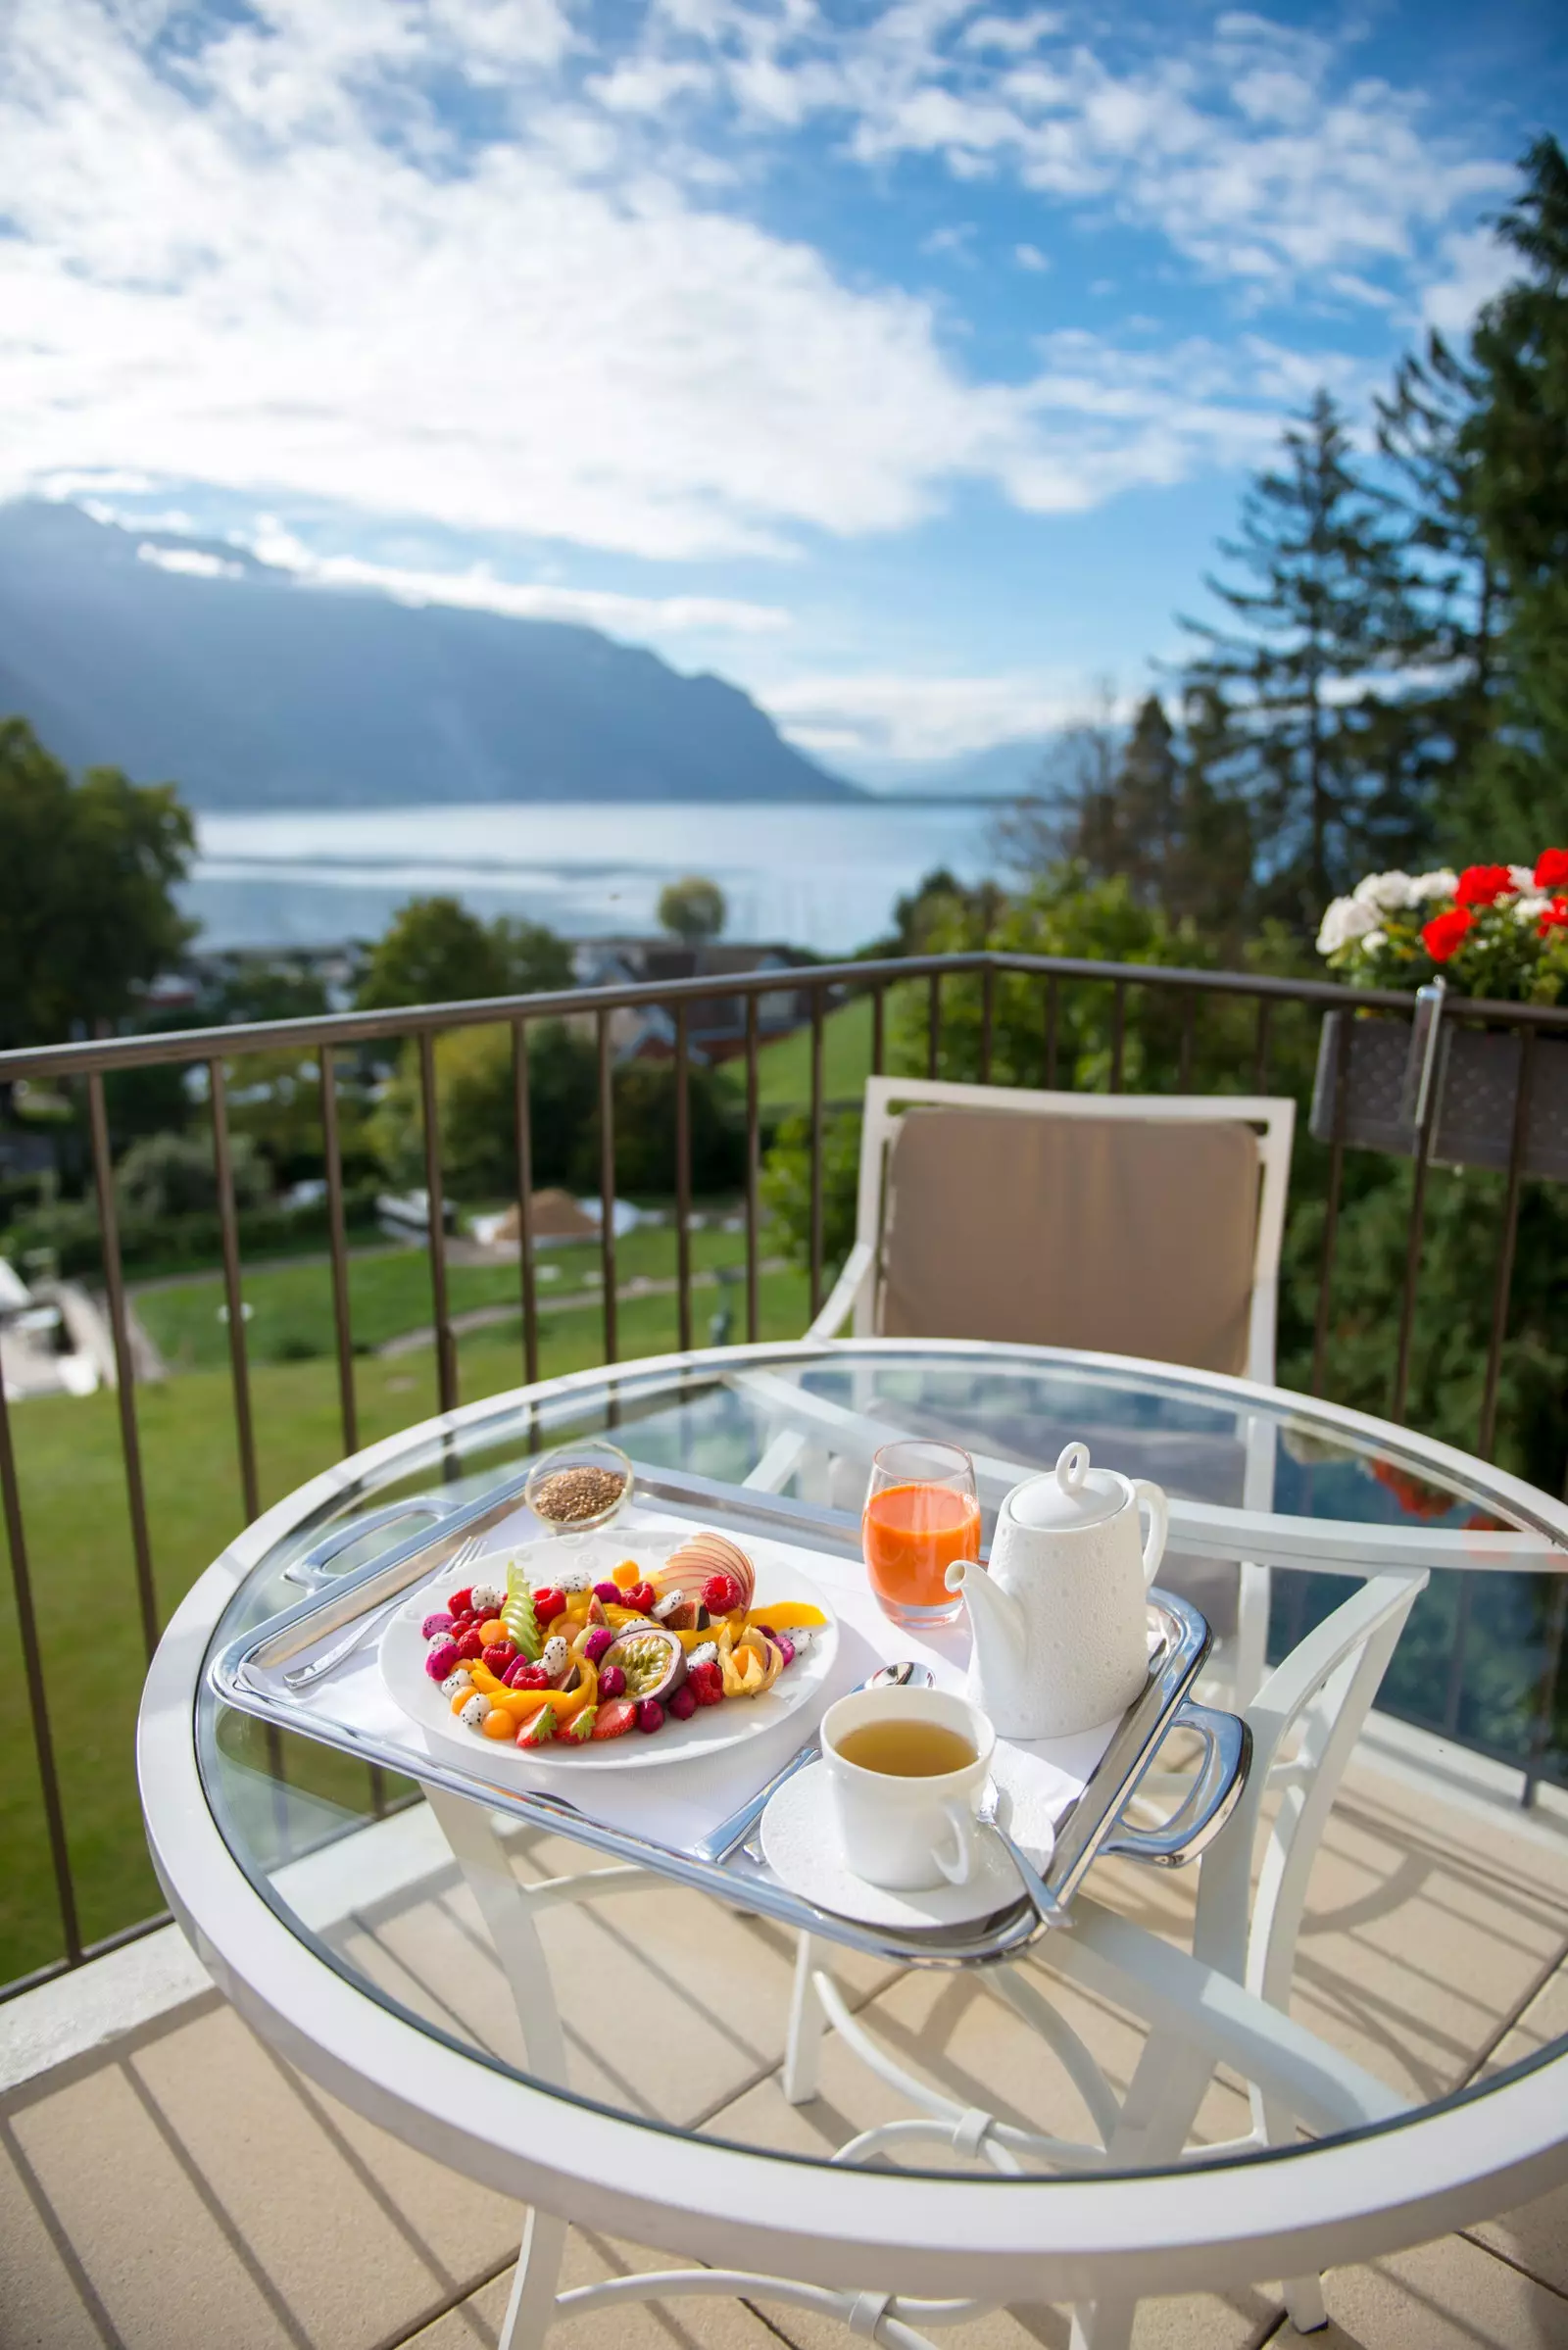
819	876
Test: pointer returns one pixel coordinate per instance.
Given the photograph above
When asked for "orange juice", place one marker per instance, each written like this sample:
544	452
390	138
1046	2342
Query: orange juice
910	1535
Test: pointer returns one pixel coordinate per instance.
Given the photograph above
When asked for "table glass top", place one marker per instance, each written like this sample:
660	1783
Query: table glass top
1433	1955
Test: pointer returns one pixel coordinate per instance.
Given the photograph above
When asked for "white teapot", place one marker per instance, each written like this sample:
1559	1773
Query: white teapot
1059	1621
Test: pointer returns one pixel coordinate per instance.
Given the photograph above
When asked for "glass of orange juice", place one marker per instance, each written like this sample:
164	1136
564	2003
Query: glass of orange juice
921	1512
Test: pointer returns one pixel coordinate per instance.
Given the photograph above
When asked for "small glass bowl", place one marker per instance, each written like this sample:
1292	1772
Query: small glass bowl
592	1453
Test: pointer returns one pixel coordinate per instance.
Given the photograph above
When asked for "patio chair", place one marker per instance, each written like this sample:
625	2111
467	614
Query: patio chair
1141	1224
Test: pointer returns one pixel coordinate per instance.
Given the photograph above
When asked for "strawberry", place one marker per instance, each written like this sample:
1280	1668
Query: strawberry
706	1682
580	1728
615	1719
457	1604
538	1729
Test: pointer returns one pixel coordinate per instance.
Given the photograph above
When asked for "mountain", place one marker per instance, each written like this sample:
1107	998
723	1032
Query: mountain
1018	769
250	690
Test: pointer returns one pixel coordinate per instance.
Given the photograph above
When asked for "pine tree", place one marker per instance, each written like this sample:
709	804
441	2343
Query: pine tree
1163	820
1311	673
1457	605
1517	439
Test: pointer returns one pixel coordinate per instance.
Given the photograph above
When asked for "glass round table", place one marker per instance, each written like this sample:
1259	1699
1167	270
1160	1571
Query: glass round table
1330	2034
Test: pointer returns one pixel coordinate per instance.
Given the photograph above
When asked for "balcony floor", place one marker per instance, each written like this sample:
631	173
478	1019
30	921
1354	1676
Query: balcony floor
175	2185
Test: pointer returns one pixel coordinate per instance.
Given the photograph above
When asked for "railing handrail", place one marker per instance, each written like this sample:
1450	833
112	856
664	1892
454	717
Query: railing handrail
175	1045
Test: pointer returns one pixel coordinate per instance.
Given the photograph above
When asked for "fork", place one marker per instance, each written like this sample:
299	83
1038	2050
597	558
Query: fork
301	1676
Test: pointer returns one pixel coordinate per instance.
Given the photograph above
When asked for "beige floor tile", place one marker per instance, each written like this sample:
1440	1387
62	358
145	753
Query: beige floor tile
1544	2021
684	2323
42	2305
1535	2238
1445	2296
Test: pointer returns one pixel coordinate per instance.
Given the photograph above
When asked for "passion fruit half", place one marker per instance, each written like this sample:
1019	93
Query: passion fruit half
652	1659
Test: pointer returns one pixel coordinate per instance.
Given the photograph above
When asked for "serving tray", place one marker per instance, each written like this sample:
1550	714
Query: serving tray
349	1710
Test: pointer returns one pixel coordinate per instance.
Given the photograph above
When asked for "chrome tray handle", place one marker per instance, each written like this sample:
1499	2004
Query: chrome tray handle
1209	1800
312	1569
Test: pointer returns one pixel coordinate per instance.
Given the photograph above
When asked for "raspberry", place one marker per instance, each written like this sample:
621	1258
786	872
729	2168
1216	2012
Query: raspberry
470	1645
500	1655
721	1594
609	1595
611	1682
598	1641
650	1716
461	1602
548	1604
523	1675
643	1597
706	1682
683	1704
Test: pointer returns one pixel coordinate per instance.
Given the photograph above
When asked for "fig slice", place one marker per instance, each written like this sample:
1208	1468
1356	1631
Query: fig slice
652	1658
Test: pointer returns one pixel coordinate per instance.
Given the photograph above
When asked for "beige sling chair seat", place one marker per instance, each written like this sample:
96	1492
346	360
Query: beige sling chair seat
1146	1225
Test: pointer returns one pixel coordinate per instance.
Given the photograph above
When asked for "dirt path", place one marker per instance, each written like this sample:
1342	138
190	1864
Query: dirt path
487	1317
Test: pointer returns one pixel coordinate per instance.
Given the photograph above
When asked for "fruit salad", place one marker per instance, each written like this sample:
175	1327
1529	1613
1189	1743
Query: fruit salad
574	1662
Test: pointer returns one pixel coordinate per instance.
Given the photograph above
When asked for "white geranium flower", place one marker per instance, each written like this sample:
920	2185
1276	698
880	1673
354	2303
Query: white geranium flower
1531	907
1388	893
1347	920
1438	884
1373	940
1523	877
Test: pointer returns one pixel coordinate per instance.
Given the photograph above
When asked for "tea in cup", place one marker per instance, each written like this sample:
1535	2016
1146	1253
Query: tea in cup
906	1769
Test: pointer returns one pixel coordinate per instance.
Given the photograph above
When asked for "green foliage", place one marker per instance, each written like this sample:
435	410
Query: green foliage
1322	602
786	1186
175	1244
435	951
1517	439
692	909
172	1174
475	1097
87	873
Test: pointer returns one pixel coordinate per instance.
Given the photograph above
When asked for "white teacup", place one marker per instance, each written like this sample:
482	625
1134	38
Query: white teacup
906	1833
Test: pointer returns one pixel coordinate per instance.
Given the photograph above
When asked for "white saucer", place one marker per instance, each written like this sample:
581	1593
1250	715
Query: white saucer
801	1845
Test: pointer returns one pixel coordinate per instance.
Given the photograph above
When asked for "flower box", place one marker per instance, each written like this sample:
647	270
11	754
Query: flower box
1477	1081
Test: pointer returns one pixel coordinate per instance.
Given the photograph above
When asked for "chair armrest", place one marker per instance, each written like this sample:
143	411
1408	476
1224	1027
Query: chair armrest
859	1267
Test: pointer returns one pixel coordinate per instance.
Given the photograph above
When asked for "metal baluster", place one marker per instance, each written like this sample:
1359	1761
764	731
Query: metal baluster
124	1370
446	1362
1260	1049
752	1168
43	1746
816	1151
1412	1259
1504	1284
988	984
1331	1212
1183	1074
683	1177
1052	1017
523	1135
331	1149
933	1046
878	1023
228	1228
606	1186
1118	1033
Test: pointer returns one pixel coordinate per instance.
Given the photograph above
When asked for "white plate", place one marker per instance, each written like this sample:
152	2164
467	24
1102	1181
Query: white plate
801	1845
711	1729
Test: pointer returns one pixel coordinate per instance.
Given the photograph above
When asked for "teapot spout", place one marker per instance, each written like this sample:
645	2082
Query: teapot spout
997	1623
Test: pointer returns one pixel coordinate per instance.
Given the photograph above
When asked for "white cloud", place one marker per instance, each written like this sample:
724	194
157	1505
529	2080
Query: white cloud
479	590
1030	256
889	714
1476	268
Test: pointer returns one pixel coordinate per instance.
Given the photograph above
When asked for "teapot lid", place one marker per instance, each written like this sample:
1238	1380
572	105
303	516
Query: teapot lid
1074	1495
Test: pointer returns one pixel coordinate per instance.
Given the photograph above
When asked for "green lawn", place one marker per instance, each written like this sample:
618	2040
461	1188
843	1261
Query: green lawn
389	1293
74	1503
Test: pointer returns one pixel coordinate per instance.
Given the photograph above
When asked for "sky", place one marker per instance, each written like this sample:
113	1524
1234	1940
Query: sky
900	361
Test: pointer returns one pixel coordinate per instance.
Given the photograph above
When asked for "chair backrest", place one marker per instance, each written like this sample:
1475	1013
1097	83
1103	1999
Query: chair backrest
1129	1224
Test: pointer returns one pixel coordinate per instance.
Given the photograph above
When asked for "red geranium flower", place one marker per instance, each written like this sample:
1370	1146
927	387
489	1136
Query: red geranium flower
1556	917
1483	885
1446	934
1551	869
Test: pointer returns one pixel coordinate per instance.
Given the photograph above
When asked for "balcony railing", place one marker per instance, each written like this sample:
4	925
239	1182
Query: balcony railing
953	1013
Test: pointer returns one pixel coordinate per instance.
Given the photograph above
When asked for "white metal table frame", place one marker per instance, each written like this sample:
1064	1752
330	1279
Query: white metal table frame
940	2247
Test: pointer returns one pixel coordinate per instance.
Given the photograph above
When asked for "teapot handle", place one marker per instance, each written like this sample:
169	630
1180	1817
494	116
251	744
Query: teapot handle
1153	1499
